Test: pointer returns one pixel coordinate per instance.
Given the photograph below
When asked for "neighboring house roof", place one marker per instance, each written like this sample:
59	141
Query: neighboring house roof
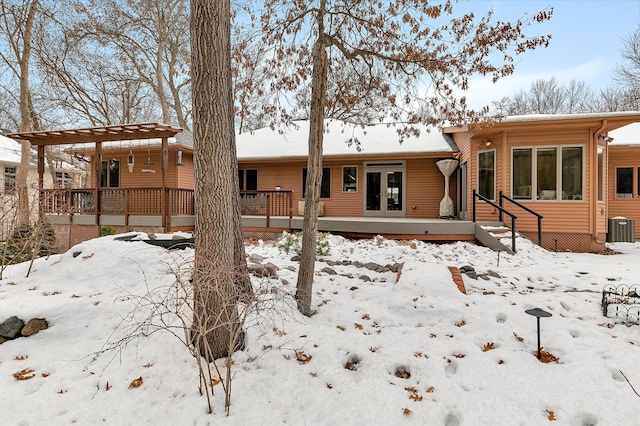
11	153
10	150
292	141
627	135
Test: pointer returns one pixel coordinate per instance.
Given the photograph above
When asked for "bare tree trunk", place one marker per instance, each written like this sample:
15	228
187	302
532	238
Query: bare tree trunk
162	95
25	117
216	180
314	170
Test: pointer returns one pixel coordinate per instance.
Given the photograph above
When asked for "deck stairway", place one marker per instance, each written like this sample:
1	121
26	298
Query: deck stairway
496	236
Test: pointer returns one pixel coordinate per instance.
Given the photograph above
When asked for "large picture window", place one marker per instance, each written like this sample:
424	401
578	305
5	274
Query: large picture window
487	174
548	173
325	187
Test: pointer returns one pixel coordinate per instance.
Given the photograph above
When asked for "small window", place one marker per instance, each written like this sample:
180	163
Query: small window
110	174
624	182
600	174
487	174
9	179
64	180
325	187
248	180
522	166
572	173
350	179
547	169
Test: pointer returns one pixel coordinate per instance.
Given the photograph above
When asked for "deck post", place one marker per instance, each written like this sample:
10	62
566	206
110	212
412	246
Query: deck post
290	195
268	210
126	207
40	181
98	175
69	205
166	223
473	206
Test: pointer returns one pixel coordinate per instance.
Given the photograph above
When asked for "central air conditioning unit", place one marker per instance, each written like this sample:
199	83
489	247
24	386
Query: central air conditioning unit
621	230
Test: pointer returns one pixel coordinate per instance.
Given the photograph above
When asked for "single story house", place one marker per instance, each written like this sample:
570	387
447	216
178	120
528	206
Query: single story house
555	173
554	165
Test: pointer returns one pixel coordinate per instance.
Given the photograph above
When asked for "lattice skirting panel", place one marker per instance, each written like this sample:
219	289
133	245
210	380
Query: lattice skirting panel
68	236
558	241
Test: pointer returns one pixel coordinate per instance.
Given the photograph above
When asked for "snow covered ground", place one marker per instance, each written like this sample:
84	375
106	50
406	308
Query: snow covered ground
418	351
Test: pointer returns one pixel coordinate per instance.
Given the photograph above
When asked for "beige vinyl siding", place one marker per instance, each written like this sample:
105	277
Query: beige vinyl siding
624	156
184	174
424	184
138	179
425	188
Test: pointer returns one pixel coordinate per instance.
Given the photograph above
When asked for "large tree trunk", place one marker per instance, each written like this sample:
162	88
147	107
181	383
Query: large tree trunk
25	118
216	324
314	176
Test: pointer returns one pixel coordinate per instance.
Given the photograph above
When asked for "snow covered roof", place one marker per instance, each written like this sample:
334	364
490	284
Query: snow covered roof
626	135
550	117
10	150
292	141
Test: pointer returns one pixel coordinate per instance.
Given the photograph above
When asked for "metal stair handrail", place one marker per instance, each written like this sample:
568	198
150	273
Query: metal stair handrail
501	210
527	209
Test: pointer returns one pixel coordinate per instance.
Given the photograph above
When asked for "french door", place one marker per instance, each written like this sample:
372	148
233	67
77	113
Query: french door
384	192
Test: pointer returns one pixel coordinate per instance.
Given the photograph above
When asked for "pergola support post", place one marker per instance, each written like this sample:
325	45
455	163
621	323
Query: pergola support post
98	174
40	181
166	221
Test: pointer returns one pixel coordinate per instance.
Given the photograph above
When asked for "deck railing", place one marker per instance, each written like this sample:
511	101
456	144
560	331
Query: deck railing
267	203
135	201
148	201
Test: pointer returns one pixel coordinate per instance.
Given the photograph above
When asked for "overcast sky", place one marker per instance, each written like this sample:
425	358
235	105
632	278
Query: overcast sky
587	36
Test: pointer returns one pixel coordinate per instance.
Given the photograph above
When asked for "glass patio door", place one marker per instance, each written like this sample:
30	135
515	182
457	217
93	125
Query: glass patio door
384	191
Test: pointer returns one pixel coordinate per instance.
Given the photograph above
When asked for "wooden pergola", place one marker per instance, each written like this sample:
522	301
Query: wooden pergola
97	135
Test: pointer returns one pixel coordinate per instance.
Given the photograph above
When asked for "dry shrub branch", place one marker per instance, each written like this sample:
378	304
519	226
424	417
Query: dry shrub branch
202	313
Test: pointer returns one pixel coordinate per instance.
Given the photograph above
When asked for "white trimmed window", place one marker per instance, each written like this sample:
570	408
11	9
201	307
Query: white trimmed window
487	174
548	173
624	182
64	179
601	176
349	178
9	179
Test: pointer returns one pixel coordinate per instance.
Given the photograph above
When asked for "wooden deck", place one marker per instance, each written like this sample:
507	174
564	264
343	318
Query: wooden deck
266	212
396	228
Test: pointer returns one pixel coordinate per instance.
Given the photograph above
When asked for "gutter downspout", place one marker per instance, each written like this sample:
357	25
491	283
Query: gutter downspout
594	184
